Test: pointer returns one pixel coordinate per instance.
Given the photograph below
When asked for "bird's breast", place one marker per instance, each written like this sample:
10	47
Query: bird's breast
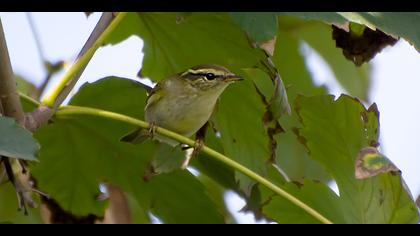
184	114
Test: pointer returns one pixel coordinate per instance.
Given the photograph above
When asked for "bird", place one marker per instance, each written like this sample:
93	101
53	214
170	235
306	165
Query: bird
184	102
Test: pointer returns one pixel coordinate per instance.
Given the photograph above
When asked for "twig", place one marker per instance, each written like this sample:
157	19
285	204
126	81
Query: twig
36	37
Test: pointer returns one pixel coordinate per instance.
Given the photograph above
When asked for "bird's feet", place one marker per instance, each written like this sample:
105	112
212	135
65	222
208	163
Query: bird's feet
152	130
198	146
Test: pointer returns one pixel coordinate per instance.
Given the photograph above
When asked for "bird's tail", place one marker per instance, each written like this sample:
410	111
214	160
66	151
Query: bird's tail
137	136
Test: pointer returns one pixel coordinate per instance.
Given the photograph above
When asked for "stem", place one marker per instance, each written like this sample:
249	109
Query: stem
76	110
59	92
28	99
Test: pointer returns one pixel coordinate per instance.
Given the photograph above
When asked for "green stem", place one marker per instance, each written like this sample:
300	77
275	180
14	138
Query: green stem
28	99
76	110
54	92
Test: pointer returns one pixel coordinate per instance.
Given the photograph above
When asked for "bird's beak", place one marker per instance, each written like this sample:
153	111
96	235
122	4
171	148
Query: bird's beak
233	78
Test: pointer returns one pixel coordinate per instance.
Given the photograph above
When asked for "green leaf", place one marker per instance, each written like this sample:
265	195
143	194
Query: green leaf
274	93
315	194
24	86
16	142
166	159
243	136
355	80
212	168
328	17
292	156
138	214
172	45
400	24
335	132
87	151
260	26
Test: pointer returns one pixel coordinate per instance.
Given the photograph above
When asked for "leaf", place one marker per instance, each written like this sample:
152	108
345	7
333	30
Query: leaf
86	151
166	159
26	87
212	168
279	103
315	194
16	142
356	81
400	24
396	24
172	45
260	26
327	17
370	163
243	137
335	132
292	156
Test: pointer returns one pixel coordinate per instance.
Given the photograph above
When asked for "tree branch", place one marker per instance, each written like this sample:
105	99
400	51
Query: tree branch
102	30
11	107
58	94
100	27
8	92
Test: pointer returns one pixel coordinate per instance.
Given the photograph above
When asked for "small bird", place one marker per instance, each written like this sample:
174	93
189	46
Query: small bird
184	102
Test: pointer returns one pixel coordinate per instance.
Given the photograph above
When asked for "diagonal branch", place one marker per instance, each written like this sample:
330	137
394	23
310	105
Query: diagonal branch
106	25
58	94
100	27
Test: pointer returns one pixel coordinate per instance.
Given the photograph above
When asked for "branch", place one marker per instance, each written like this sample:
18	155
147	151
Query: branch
103	29
118	211
76	110
8	92
11	107
58	94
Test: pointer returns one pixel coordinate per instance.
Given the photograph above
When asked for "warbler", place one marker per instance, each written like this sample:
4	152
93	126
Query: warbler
184	102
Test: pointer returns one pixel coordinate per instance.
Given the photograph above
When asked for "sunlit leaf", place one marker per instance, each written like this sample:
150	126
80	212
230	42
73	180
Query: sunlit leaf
335	132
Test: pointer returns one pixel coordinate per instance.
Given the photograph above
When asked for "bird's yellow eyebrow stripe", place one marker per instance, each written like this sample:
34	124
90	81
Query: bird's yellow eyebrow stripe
205	71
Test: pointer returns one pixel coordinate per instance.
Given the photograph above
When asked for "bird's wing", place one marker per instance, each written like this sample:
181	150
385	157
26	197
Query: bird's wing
154	95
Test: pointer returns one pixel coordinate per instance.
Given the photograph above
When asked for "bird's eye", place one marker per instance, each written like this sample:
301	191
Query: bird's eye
210	76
